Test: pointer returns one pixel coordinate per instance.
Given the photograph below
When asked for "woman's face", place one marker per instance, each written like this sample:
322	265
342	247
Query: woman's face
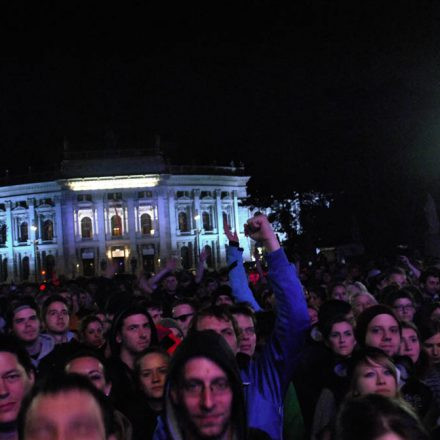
341	339
93	334
361	303
153	374
313	315
374	378
432	348
383	332
410	344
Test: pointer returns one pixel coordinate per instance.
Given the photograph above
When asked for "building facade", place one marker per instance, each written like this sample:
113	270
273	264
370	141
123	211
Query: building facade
135	211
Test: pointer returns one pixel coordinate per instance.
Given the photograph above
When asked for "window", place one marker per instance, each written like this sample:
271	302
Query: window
185	257
86	228
114	196
47	234
3	236
25	268
24	233
204	194
146	224
145	195
206	220
225	194
209	259
21	204
116	225
84	197
183	222
181	194
226	219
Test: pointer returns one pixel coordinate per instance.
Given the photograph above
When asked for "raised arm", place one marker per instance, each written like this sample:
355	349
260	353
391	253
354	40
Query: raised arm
237	275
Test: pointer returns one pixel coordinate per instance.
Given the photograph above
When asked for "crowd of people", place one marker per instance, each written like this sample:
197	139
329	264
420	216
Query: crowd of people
329	351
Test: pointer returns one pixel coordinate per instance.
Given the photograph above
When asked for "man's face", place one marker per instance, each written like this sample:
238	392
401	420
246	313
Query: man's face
92	369
248	337
183	314
155	313
220	326
15	382
135	334
26	325
432	285
206	399
340	293
170	283
398	278
71	414
57	318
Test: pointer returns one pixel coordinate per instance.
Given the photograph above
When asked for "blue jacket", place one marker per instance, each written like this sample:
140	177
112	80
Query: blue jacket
267	378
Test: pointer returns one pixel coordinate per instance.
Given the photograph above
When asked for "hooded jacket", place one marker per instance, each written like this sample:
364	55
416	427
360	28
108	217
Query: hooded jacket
210	345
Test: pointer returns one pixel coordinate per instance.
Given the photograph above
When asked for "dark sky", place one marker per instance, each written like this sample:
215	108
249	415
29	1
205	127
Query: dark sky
312	94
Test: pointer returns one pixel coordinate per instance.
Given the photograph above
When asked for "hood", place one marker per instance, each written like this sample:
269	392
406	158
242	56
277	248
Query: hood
212	346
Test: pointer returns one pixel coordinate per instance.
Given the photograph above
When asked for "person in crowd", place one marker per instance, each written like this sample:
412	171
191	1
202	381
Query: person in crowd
91	364
397	276
245	319
413	390
402	302
360	301
430	339
317	296
183	311
338	291
23	322
91	331
151	370
132	332
204	396
16	380
268	376
377	417
55	312
430	283
379	327
338	336
66	406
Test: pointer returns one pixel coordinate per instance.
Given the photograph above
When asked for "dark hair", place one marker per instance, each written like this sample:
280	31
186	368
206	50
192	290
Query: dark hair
223	290
10	344
333	307
89	352
394	295
192	302
50	300
63	383
140	356
372	416
19	303
367	316
430	272
326	326
85	322
428	329
118	321
220	312
243	309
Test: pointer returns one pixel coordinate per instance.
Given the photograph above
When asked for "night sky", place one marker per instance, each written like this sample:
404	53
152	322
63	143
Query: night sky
324	95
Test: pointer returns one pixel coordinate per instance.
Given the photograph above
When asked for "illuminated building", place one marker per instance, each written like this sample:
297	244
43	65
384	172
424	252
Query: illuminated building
134	209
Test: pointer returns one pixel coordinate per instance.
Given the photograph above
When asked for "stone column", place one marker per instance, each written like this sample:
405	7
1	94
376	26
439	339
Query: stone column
131	227
221	257
60	263
162	225
100	233
69	235
10	239
172	217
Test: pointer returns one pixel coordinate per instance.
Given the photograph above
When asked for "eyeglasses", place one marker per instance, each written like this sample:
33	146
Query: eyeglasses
406	308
